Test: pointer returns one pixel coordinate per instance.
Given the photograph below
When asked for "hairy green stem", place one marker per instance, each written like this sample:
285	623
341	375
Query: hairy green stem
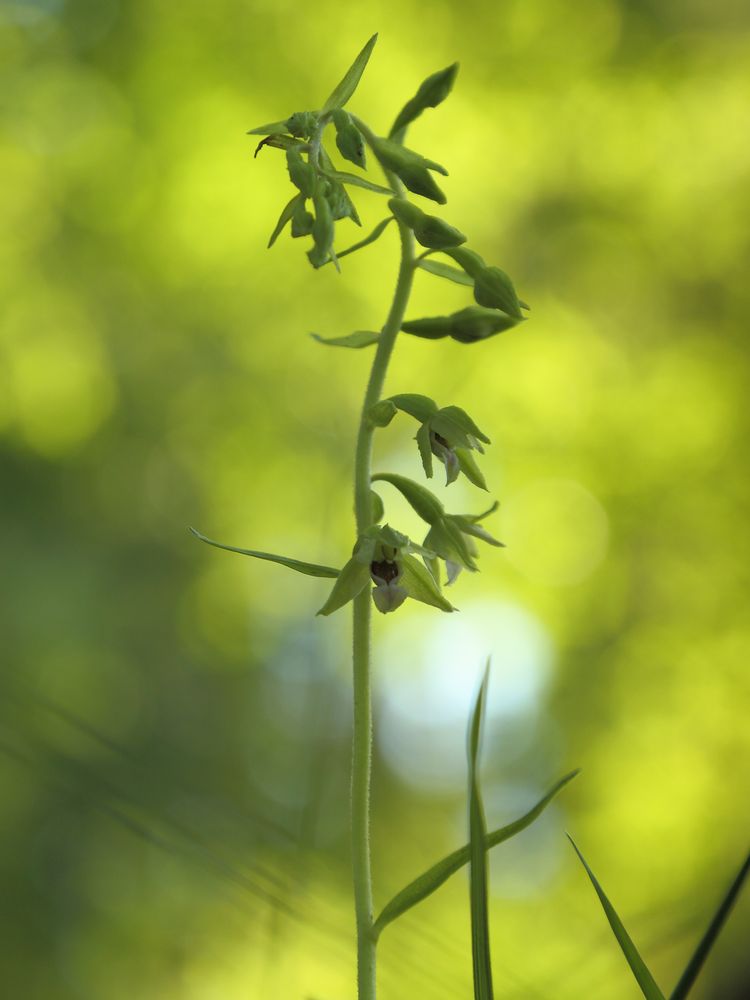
362	738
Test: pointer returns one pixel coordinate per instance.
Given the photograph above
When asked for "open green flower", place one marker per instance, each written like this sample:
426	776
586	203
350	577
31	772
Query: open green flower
453	540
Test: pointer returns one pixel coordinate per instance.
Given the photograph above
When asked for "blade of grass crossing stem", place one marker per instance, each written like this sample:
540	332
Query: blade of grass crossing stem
638	967
695	964
426	883
480	933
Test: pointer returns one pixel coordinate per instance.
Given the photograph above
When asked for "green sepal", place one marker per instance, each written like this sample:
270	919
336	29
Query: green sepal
358	339
420	584
477	323
381	413
645	980
430	327
469	525
343	177
348	85
431	92
494	289
470	468
349	139
426	883
417	406
425	449
446	540
322	231
453	417
374	235
442	270
351	581
308	569
376	506
286	215
423	502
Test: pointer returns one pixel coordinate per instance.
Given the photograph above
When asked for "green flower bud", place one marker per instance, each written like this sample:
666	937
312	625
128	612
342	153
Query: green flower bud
475	323
431	327
432	91
302	124
431	232
411	168
301	173
322	231
302	220
349	139
494	289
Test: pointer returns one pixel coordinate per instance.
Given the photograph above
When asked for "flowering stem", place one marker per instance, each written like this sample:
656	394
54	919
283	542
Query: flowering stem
362	737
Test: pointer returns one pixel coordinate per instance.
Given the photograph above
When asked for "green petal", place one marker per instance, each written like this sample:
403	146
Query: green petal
420	584
470	468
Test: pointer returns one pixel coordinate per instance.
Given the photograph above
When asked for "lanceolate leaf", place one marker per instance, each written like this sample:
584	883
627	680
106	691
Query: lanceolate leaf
374	235
343	177
285	217
348	85
478	879
360	338
639	969
309	569
445	271
688	977
434	877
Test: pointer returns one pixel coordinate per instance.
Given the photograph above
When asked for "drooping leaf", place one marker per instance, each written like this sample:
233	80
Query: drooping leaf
478	876
358	339
638	967
344	177
374	235
420	584
426	883
424	503
694	966
432	91
348	85
417	406
285	217
309	569
352	579
442	270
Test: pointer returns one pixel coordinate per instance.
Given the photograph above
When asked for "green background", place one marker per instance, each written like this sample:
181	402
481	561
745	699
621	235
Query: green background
175	722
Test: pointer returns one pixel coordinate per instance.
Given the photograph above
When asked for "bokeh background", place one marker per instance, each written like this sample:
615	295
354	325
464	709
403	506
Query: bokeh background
174	722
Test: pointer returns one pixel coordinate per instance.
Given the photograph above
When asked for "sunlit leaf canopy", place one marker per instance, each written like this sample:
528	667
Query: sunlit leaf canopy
175	721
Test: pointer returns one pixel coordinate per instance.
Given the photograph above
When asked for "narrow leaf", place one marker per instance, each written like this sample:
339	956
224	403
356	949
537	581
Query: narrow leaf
352	579
478	878
285	217
426	883
688	977
344	177
420	584
269	129
348	85
360	338
424	503
445	271
638	967
374	235
309	569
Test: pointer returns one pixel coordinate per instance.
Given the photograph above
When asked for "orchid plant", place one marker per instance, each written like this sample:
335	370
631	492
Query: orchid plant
385	566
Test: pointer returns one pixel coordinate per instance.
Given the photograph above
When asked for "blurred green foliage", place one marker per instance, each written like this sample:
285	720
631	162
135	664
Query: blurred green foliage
174	724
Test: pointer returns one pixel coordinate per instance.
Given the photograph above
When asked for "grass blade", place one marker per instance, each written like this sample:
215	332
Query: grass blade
353	75
695	964
480	921
639	969
445	271
426	883
309	569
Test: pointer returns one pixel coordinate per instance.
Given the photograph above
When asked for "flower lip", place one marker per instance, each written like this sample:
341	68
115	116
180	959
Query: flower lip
385	571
